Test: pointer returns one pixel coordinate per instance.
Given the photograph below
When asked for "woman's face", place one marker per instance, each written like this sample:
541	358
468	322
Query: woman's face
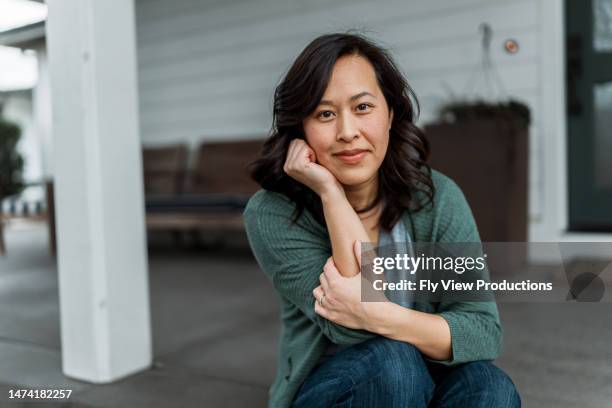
349	129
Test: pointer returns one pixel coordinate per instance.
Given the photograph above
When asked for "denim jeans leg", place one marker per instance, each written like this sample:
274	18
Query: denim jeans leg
377	373
478	384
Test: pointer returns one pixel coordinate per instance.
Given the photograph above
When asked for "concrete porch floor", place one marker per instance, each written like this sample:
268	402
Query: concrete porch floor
215	328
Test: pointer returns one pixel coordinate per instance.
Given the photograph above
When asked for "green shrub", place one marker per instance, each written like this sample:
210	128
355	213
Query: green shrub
11	162
461	111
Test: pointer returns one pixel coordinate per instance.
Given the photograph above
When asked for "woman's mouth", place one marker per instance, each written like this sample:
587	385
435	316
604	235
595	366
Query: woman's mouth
353	156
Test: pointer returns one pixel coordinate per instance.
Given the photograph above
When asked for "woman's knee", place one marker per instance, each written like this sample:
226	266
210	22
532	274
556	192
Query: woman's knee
378	372
492	384
396	353
396	366
390	355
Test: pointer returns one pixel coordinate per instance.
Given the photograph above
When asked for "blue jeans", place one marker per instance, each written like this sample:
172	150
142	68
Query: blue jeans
387	373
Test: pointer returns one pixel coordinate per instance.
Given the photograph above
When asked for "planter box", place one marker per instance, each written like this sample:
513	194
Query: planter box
488	159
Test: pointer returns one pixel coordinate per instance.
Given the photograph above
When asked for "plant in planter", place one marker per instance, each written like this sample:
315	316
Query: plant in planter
483	146
510	111
11	162
11	167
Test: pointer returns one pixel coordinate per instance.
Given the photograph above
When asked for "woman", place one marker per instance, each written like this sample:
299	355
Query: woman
346	164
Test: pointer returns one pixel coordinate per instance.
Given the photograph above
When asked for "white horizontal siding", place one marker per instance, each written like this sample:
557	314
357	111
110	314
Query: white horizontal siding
208	69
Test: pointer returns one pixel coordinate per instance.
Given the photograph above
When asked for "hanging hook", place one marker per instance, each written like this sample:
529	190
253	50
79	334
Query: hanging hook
487	33
487	76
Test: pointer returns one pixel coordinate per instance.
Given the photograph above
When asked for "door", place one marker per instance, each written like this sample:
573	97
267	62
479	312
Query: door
589	102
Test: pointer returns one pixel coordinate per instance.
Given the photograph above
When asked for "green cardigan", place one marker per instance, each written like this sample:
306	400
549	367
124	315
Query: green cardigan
293	255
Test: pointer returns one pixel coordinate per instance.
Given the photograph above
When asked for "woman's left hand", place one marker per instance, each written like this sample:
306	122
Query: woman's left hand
341	296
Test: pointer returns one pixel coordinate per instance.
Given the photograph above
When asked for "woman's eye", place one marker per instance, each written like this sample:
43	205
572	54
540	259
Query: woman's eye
325	114
363	106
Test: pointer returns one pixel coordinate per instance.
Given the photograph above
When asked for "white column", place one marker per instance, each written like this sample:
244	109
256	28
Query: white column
103	278
41	105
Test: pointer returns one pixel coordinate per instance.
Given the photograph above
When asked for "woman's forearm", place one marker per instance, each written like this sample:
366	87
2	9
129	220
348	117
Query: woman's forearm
344	227
429	333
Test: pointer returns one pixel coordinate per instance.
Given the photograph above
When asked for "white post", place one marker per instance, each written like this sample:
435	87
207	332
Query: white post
103	281
41	106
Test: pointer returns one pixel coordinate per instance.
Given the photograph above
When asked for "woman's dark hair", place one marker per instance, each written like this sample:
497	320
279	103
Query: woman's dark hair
404	176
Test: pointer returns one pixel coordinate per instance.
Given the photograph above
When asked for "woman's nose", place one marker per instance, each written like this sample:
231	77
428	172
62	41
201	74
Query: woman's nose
347	128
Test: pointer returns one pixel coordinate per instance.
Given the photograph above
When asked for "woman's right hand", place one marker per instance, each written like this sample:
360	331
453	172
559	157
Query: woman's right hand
301	165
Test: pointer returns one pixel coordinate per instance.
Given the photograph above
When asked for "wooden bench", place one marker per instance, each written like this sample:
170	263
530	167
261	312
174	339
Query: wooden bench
164	169
211	196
